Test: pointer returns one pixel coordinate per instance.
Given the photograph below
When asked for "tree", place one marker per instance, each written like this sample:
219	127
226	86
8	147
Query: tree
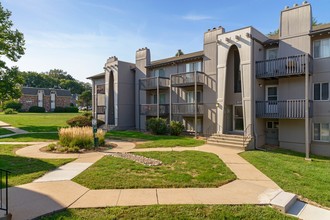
179	53
12	47
85	98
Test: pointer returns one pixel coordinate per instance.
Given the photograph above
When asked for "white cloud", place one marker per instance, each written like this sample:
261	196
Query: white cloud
192	17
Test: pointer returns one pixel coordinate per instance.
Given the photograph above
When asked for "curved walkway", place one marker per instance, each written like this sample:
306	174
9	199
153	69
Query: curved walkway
55	190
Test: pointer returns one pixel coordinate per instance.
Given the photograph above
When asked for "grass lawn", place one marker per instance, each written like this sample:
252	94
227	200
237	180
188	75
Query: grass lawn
25	170
290	170
38	122
166	212
32	137
179	169
5	131
155	140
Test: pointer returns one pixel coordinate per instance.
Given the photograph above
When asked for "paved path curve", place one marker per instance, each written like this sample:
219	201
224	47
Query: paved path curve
55	190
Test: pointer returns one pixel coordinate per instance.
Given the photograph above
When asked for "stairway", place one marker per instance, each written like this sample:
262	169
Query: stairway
229	140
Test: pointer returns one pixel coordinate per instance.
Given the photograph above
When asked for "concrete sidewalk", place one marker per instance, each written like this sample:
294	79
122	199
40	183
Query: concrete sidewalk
12	129
54	191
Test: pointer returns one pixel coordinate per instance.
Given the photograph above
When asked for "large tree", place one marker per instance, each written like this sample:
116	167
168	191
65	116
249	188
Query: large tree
12	47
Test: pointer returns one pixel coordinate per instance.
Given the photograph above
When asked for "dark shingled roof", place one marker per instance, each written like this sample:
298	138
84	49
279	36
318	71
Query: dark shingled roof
179	59
34	91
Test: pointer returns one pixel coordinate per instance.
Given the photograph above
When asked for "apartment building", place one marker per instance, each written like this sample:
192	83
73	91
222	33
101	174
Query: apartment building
244	88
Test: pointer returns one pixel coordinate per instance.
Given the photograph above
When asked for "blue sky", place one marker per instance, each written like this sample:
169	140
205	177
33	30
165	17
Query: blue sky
79	35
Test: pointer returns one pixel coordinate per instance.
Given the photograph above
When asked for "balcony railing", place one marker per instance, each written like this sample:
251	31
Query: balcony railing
290	109
187	109
187	79
100	109
152	82
282	67
151	109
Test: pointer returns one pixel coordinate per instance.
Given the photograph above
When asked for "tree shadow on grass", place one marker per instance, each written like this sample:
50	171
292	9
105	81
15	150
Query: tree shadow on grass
23	169
31	137
41	128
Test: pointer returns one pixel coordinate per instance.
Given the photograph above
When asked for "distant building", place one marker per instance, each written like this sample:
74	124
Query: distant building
45	97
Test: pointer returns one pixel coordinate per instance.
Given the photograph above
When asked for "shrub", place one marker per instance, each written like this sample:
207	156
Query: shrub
36	109
12	104
59	109
82	121
157	125
176	128
71	109
79	121
87	114
79	137
10	111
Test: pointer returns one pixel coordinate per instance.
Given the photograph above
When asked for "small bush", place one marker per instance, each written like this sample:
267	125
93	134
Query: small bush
59	109
51	147
157	125
176	128
79	121
79	137
12	104
87	114
10	111
37	109
70	109
82	121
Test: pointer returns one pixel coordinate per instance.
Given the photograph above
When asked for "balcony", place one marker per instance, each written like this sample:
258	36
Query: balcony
283	67
151	83
187	109
187	79
100	109
289	109
151	109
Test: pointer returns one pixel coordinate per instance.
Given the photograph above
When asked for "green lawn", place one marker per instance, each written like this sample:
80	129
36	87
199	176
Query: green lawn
155	140
32	137
25	170
5	131
290	170
179	169
168	212
38	122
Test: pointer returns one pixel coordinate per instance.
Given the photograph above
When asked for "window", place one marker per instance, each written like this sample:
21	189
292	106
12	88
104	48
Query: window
321	91
272	124
321	132
322	48
196	66
158	73
190	97
271	53
237	73
153	98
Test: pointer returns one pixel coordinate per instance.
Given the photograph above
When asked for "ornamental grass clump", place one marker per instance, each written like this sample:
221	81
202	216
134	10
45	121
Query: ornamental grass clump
81	137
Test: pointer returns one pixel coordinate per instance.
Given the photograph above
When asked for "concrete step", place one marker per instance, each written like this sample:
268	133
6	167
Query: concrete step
229	137
230	141
227	145
283	201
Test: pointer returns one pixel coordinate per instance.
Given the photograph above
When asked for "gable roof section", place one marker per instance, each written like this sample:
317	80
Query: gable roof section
34	91
179	59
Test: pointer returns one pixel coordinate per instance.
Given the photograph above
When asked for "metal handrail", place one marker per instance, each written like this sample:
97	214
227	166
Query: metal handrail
2	207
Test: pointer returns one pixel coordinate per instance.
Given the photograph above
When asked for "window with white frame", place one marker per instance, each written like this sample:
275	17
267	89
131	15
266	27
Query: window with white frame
196	66
321	132
322	48
321	91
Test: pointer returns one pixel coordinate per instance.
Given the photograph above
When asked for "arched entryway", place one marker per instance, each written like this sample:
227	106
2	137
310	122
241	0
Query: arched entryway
233	112
111	100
